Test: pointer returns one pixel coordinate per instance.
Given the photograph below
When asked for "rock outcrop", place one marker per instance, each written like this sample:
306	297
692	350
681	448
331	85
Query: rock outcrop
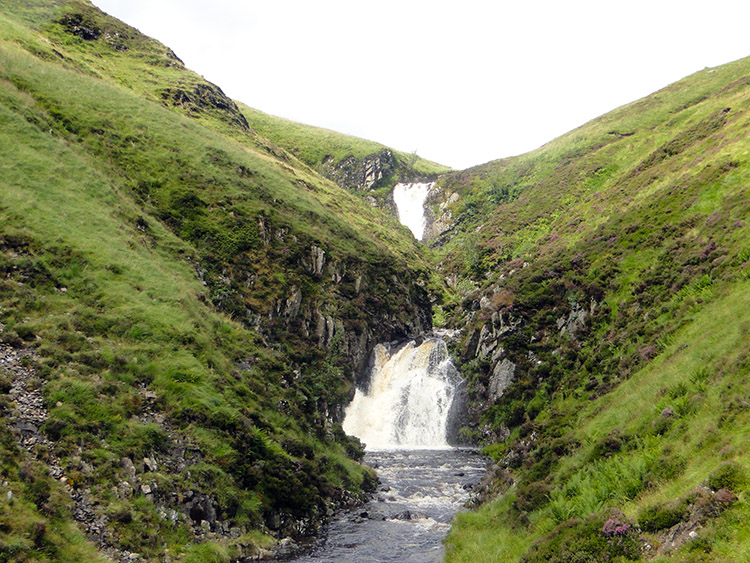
360	174
205	97
439	218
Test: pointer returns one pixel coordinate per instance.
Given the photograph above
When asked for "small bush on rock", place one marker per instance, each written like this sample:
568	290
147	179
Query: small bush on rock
728	476
661	517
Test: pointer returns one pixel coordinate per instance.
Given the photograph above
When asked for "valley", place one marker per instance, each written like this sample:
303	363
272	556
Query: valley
192	292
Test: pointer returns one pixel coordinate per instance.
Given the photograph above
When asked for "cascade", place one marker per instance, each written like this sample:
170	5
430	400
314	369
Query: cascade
410	399
409	199
404	419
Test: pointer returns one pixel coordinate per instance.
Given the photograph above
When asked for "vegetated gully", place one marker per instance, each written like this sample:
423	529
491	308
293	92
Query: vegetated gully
404	419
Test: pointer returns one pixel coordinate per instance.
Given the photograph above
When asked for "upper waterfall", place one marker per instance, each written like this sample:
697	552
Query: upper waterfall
409	401
409	199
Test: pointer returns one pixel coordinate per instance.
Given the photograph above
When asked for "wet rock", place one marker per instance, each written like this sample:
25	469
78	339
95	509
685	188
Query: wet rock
377	515
286	549
409	515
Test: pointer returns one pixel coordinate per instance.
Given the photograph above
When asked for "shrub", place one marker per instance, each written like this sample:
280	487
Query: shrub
699	544
596	538
728	476
665	468
531	496
609	445
661	517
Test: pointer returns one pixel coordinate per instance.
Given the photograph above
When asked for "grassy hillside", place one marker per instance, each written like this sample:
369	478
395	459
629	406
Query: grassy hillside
183	306
353	163
603	281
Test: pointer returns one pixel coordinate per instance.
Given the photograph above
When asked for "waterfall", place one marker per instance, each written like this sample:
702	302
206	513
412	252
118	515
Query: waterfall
409	199
408	404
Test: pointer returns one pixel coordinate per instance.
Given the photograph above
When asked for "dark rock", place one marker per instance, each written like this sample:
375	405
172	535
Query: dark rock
80	26
196	513
206	96
286	549
409	515
377	515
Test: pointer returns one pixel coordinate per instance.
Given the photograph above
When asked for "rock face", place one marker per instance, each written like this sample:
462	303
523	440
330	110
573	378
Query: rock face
333	304
576	319
360	174
29	413
439	223
502	377
205	97
81	26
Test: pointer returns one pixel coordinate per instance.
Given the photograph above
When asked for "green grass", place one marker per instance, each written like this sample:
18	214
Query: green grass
157	236
704	436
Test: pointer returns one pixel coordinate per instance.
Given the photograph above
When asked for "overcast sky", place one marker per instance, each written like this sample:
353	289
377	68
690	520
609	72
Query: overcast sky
460	82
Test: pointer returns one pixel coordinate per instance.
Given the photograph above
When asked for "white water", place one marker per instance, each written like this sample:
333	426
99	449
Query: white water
432	485
409	400
409	199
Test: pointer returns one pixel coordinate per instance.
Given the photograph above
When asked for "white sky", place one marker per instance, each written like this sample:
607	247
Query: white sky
461	82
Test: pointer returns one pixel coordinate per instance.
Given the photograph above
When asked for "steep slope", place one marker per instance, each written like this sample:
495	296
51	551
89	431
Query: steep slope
183	306
601	282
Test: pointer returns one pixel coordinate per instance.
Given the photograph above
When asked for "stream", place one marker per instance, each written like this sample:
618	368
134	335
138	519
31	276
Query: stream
420	491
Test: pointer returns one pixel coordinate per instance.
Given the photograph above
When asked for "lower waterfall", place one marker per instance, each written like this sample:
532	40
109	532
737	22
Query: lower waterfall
409	401
405	419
